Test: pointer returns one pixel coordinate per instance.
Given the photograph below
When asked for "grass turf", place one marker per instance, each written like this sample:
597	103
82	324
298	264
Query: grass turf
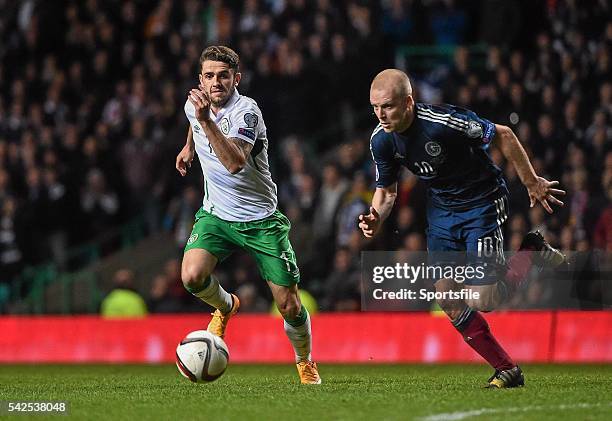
349	392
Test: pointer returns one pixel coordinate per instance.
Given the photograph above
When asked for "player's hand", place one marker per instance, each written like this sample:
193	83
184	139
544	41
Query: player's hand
542	191
183	159
201	103
369	223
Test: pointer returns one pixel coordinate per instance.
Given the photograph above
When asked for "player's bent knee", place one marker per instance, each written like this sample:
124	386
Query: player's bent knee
290	311
290	308
193	277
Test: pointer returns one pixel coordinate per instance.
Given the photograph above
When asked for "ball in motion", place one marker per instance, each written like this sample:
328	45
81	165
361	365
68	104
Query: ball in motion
202	356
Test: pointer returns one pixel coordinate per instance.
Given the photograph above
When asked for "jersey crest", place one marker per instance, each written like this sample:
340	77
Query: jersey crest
433	148
224	125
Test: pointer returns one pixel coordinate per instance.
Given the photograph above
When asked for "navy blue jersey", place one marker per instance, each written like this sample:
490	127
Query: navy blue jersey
447	147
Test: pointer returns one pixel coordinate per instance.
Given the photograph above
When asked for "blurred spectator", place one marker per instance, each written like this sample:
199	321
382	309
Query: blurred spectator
602	235
172	272
302	241
406	225
179	216
57	216
342	284
579	198
414	241
397	21
250	301
354	203
138	158
98	203
566	240
123	301
160	298
332	189
448	23
501	22
11	255
536	296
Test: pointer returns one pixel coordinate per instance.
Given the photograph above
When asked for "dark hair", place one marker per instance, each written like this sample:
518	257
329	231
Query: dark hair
221	53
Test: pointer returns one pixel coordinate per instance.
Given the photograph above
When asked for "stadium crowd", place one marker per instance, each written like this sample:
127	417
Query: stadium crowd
91	118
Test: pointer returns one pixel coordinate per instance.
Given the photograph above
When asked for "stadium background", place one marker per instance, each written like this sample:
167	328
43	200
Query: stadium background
91	119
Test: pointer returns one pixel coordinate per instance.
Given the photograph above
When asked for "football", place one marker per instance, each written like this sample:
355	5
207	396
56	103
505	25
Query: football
202	356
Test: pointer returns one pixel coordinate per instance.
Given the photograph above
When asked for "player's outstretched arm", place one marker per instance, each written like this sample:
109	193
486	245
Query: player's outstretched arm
382	203
232	153
539	189
185	156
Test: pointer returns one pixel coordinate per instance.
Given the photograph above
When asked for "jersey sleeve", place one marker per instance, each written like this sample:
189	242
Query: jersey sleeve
246	123
460	123
387	169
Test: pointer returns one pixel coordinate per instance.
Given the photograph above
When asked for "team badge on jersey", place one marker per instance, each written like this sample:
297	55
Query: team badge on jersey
224	125
192	239
251	120
433	148
474	129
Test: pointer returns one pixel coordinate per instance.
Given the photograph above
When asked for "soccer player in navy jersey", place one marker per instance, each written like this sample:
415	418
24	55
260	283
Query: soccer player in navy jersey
447	147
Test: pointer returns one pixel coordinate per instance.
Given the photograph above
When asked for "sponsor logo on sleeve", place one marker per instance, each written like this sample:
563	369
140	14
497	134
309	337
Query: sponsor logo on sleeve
247	132
251	120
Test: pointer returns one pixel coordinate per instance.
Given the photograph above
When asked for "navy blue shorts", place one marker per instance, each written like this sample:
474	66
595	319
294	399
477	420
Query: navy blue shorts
475	233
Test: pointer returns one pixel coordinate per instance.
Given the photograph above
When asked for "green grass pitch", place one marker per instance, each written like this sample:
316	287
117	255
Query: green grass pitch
349	392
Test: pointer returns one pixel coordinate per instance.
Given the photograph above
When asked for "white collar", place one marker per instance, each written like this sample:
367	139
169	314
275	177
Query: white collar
229	104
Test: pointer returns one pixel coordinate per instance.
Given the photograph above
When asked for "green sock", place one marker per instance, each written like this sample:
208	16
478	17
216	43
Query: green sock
195	291
300	318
